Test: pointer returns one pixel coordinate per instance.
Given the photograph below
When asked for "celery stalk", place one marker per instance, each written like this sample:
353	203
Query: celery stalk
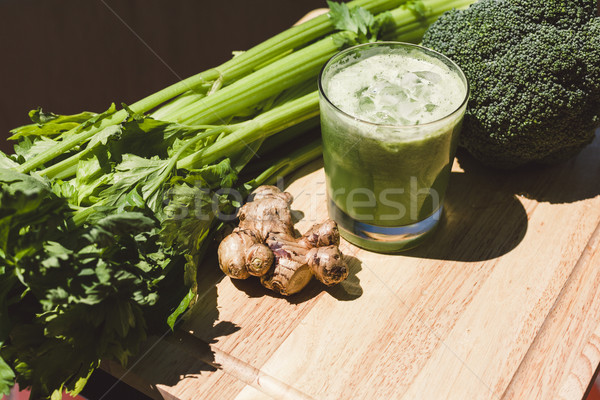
263	126
238	66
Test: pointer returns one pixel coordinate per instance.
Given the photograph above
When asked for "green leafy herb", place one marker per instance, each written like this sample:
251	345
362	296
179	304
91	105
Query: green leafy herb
106	218
7	377
49	124
355	19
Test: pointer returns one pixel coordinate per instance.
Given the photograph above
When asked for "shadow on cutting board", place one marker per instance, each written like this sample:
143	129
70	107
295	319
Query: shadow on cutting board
482	220
163	360
569	181
485	219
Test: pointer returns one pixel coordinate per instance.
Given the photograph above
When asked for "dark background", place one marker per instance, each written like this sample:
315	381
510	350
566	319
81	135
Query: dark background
68	56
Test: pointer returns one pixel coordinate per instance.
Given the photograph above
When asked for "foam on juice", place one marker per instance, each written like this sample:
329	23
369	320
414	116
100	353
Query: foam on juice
396	89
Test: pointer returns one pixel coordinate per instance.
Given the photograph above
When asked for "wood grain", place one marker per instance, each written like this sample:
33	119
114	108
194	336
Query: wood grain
503	302
566	335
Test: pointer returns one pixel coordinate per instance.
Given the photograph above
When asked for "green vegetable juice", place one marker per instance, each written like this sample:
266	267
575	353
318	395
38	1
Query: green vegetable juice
390	118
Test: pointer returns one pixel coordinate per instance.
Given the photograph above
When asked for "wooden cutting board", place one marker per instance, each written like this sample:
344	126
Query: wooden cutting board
502	303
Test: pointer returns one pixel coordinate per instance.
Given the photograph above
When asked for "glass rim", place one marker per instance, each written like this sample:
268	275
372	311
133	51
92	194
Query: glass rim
395	43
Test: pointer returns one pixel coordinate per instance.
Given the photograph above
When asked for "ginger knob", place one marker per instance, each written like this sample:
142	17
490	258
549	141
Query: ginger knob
264	245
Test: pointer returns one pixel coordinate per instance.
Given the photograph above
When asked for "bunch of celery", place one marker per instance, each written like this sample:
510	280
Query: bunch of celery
104	218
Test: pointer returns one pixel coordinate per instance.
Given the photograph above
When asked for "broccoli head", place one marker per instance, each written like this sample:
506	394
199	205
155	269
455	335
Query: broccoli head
534	71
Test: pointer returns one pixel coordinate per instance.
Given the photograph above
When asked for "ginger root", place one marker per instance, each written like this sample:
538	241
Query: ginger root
264	244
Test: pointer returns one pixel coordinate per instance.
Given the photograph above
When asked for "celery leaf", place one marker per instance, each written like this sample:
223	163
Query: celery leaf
7	377
356	19
49	124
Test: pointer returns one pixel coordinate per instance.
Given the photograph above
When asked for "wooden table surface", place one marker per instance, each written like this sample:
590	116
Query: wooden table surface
503	302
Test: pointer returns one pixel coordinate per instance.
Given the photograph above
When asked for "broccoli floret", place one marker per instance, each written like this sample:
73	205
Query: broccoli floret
534	71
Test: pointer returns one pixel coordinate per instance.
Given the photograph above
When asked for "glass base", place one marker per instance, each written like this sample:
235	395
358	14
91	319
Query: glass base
382	239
